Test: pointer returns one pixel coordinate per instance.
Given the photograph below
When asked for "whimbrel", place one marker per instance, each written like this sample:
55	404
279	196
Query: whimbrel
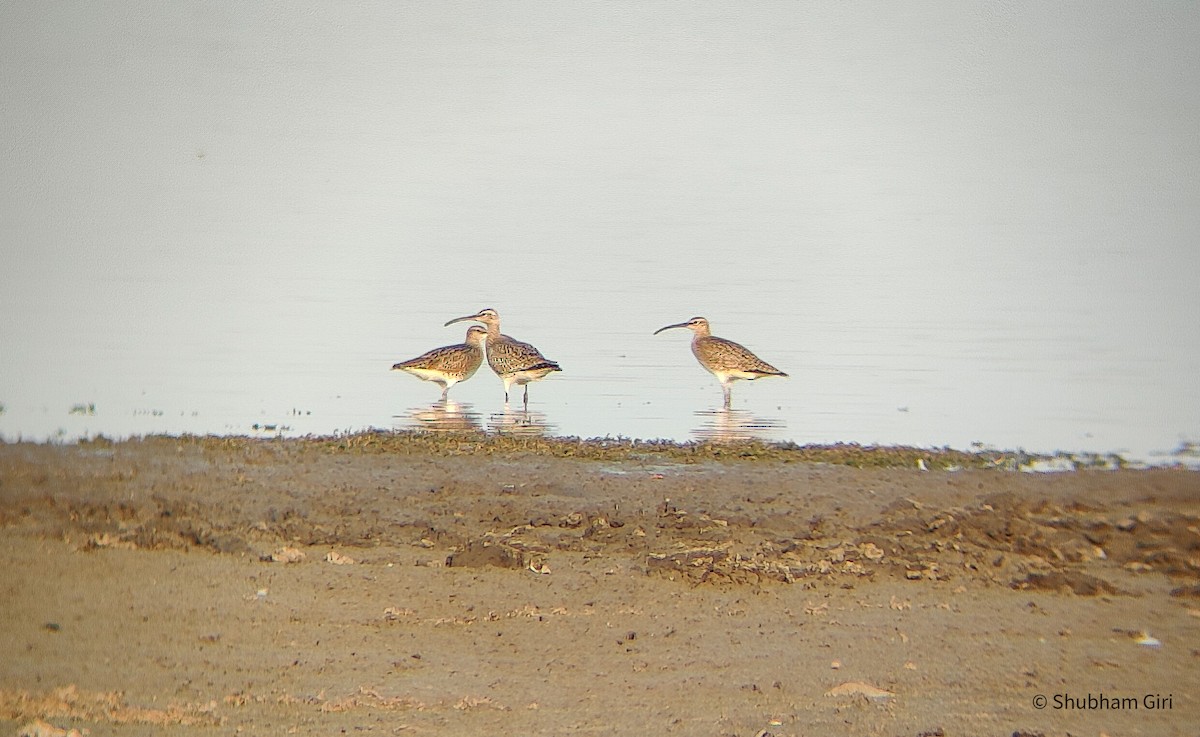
513	361
448	365
724	359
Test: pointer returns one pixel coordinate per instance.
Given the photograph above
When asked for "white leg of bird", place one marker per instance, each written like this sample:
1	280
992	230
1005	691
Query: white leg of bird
727	390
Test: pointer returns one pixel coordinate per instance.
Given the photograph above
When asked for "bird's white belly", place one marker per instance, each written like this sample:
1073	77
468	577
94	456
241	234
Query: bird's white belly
521	378
725	376
428	374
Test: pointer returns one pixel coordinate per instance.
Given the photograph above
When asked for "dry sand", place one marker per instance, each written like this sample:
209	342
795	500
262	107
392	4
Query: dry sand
205	586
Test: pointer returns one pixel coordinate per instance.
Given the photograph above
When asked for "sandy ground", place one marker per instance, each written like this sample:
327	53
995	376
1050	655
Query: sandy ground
184	587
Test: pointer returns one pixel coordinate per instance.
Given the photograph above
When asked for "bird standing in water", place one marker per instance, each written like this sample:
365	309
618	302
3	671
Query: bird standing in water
448	365
724	359
513	361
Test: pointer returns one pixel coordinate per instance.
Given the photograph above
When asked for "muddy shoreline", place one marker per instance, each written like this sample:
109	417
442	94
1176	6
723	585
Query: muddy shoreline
413	586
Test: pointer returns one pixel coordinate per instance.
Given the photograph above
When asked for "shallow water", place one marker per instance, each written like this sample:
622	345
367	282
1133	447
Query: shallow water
857	396
952	232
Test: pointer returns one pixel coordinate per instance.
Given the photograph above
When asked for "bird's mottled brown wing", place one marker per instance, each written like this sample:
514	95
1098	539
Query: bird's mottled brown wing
508	355
725	355
451	359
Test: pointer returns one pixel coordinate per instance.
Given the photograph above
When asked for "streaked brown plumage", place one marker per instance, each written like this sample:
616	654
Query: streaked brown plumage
448	365
513	361
724	359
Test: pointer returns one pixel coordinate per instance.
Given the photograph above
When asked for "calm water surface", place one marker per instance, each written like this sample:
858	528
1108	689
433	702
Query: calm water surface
949	223
890	382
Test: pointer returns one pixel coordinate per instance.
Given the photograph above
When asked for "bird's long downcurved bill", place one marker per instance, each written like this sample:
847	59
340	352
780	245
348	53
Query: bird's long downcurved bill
461	319
676	325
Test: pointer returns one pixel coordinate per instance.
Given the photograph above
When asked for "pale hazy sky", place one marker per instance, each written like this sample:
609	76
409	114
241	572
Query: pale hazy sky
261	184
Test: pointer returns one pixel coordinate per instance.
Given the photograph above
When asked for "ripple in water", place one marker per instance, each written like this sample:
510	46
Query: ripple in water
454	417
441	416
528	423
731	425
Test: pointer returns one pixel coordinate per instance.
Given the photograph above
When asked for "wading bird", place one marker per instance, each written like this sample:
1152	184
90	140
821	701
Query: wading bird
513	361
724	359
448	365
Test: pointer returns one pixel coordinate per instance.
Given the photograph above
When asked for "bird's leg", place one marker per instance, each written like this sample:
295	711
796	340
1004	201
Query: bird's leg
726	390
445	393
526	397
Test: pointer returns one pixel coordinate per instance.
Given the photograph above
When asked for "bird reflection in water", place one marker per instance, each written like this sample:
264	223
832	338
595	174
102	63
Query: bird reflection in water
442	416
732	425
523	422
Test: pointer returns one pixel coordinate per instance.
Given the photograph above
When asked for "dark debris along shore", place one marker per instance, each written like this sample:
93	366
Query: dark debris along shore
620	449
